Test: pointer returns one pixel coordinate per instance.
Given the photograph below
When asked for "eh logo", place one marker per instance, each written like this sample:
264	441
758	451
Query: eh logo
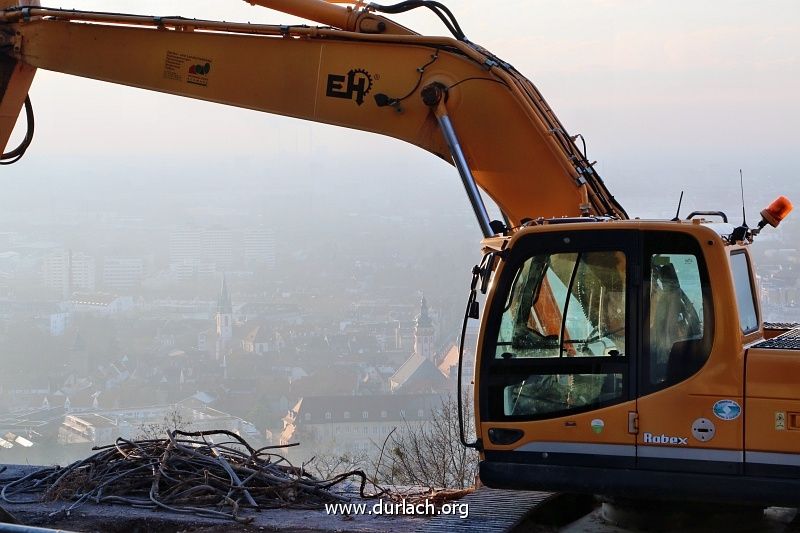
356	83
200	70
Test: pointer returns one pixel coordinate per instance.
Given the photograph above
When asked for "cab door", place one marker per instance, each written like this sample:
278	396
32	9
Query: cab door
557	383
690	414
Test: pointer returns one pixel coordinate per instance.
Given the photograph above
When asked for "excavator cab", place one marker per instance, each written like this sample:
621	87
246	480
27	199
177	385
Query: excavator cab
613	360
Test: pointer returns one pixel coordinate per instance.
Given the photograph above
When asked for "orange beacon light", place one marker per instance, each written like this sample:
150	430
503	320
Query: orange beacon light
776	212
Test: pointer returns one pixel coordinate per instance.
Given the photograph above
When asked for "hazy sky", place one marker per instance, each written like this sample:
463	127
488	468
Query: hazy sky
680	93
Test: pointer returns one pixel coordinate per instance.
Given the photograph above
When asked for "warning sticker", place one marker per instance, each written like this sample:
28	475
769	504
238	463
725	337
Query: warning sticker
780	420
186	68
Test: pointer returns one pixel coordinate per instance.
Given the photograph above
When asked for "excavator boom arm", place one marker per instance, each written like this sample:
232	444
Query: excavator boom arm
369	76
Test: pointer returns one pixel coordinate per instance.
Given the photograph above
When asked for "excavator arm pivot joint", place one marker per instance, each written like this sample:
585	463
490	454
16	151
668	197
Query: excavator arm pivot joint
433	93
369	24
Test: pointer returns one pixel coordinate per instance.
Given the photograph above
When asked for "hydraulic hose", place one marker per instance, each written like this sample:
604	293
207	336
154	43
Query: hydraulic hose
16	154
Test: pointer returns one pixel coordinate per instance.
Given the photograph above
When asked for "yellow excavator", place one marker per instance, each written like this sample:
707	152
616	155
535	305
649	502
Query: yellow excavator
617	357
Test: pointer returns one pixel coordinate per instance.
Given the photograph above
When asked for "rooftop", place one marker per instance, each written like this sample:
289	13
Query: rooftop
367	408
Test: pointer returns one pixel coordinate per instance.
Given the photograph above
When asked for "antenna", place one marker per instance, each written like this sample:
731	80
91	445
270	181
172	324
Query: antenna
742	233
741	186
678	212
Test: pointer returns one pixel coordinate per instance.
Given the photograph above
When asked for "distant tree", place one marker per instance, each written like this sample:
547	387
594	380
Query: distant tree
430	454
173	419
424	454
326	466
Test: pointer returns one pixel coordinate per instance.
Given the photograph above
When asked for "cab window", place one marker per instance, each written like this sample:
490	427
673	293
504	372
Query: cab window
679	319
565	304
745	299
568	307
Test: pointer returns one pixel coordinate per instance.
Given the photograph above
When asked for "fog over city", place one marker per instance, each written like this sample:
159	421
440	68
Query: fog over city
174	263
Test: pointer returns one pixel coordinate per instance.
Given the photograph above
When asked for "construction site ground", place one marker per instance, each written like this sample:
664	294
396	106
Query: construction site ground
122	518
490	510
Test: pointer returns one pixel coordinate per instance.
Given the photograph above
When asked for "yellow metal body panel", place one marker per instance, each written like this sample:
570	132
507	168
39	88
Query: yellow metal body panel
517	150
15	76
20	77
673	410
773	401
576	428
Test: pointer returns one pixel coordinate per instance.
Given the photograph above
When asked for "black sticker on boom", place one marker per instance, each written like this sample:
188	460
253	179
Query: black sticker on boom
187	68
356	84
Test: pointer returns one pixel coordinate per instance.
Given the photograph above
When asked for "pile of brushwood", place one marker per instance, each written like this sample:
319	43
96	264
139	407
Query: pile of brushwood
207	473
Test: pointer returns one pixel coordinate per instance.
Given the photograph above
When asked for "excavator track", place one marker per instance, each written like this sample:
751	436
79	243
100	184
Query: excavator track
491	510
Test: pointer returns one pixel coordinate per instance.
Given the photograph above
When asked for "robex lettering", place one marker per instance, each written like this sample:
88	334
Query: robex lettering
649	438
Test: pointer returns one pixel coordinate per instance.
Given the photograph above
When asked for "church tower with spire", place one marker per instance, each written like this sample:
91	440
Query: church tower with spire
224	319
423	332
